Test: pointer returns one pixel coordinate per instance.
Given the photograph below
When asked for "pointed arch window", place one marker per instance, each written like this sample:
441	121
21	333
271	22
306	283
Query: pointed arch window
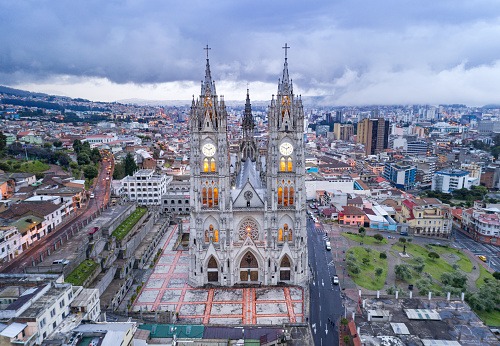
211	234
286	194
209	165
286	164
210	194
205	165
280	234
212	270
285	269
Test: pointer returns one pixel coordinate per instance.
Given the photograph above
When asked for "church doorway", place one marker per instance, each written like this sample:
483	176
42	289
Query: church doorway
212	270
285	269
249	268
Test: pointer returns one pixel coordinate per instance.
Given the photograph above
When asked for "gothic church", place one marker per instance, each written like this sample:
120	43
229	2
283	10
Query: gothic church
247	224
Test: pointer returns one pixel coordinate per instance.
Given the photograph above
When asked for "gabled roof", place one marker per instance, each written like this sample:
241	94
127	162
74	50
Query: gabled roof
349	210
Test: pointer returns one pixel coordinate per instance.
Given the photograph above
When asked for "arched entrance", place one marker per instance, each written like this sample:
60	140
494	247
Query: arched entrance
212	270
249	268
285	269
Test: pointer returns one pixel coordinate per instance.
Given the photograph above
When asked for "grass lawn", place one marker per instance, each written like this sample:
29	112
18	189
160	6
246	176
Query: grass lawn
78	276
367	239
463	263
491	319
33	166
121	231
484	274
434	268
367	278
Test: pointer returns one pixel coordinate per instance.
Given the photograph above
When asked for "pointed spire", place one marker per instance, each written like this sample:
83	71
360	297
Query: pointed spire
208	87
285	78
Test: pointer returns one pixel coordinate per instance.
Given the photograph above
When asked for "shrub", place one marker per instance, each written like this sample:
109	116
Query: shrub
433	256
366	261
378	237
382	255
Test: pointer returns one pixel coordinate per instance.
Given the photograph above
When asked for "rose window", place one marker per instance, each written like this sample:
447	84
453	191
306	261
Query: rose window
248	228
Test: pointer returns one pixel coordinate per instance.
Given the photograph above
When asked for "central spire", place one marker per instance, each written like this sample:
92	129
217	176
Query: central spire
208	87
285	86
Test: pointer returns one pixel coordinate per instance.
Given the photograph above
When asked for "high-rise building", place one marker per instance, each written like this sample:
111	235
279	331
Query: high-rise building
401	175
374	134
343	132
250	226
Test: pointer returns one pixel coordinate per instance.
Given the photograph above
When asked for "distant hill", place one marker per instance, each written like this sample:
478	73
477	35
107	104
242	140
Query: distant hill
18	92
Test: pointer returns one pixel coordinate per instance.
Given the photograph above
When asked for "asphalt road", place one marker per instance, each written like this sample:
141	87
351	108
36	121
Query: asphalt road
491	252
101	191
325	301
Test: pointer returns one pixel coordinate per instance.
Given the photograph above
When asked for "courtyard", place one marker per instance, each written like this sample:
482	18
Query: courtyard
167	288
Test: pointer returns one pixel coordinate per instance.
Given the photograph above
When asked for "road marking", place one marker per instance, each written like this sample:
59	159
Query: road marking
331	264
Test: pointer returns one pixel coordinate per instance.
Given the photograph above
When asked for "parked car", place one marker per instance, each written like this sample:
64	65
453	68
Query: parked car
328	245
61	261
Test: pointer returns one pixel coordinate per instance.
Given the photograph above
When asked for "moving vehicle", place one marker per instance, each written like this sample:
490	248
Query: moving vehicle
482	258
335	280
61	261
328	245
92	195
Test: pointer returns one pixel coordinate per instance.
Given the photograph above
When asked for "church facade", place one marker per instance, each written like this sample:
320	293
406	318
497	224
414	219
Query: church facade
248	222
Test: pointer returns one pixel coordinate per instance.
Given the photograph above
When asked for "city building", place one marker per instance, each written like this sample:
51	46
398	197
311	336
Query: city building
402	176
343	132
448	180
482	224
10	243
374	134
176	199
426	217
145	186
247	226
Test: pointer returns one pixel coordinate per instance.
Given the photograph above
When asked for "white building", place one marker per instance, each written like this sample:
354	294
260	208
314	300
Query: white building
145	186
10	243
86	303
318	182
449	180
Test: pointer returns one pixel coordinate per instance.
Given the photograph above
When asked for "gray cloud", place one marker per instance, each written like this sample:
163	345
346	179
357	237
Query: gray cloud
356	51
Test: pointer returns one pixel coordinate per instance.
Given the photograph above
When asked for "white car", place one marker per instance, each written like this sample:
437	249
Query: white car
335	280
92	195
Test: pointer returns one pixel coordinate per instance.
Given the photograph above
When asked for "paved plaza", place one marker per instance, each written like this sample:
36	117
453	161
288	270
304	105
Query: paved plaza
167	289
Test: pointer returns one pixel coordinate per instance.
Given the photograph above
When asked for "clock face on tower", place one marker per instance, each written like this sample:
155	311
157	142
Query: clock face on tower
208	149
286	149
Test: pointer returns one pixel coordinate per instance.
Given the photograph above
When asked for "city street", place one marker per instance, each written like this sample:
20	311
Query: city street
325	301
490	251
102	194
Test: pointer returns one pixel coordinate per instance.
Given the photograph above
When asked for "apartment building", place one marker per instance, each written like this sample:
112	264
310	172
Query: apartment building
145	186
483	224
10	243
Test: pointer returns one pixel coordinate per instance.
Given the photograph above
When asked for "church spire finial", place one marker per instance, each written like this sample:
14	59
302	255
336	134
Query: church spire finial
285	86
286	47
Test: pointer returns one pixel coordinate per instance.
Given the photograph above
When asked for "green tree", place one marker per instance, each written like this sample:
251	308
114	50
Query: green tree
402	240
454	279
3	141
347	339
487	298
119	171
77	145
64	160
365	260
57	144
419	264
73	165
361	230
382	255
95	155
496	275
402	272
433	256
83	159
47	145
378	272
90	172
129	165
378	237
354	269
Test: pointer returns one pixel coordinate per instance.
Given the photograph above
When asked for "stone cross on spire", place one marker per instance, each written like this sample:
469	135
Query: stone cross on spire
207	49
286	47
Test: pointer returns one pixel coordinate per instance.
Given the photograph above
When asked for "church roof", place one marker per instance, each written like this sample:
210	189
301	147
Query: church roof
248	173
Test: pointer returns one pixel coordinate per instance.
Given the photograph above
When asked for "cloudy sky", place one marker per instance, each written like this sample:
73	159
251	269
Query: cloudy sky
353	52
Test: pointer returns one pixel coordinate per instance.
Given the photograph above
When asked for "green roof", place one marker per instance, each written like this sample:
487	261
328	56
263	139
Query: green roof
168	330
23	224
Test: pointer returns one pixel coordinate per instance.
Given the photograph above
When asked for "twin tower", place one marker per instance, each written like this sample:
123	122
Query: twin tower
248	223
